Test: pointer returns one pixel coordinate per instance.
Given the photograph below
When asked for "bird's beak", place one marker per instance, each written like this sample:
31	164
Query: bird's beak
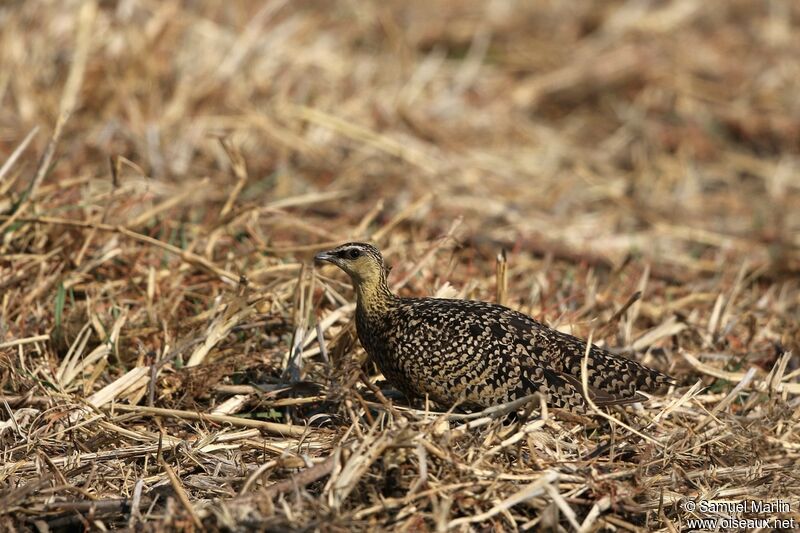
324	257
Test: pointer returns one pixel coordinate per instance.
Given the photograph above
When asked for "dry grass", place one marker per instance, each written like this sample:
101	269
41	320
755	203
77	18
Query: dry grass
171	360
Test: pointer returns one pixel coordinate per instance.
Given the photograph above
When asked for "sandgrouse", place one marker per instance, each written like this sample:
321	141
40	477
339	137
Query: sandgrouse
478	353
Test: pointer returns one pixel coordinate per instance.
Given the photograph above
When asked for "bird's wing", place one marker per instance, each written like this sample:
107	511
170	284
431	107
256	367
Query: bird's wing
470	341
600	397
467	346
612	379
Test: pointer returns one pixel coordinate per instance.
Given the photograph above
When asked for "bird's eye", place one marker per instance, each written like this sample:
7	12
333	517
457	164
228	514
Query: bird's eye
353	253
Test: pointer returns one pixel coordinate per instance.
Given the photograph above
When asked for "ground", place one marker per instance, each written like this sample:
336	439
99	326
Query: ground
170	359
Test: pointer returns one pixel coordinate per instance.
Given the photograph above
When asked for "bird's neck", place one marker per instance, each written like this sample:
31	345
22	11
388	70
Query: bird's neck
373	295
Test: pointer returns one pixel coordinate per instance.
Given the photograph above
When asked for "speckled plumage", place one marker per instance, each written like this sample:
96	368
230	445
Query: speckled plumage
478	353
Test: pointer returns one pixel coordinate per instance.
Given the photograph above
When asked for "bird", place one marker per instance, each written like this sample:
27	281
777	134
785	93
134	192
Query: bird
478	354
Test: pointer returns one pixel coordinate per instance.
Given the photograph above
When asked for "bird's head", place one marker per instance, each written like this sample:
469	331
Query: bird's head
362	262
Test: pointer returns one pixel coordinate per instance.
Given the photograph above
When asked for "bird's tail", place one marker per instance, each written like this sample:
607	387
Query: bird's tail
611	375
618	376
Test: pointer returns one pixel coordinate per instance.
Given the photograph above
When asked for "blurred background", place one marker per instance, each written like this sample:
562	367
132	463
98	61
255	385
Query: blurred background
668	128
636	139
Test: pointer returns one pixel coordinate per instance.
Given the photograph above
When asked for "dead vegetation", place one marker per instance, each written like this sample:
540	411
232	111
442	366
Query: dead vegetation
169	359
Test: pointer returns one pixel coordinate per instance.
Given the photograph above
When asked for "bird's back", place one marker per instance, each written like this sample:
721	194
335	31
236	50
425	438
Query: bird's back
483	354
